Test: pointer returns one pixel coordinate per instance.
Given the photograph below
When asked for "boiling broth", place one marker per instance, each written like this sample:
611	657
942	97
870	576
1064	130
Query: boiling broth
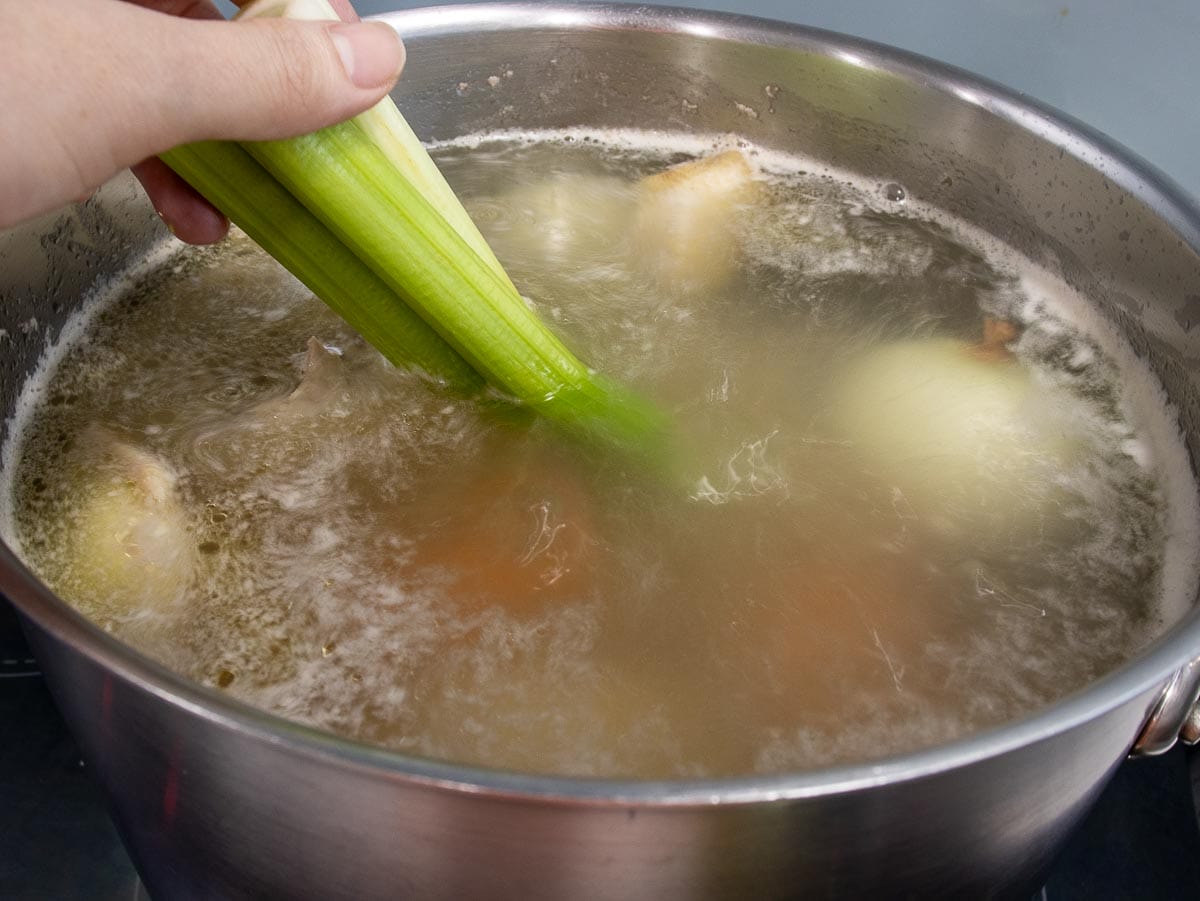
350	546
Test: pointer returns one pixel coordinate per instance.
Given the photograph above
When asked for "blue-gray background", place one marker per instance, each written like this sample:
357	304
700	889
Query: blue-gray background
1128	68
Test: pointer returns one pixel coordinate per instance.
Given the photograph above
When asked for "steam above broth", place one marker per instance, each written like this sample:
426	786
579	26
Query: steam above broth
894	532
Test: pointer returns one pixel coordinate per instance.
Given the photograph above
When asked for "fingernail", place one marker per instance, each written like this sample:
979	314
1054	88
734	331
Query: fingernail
371	52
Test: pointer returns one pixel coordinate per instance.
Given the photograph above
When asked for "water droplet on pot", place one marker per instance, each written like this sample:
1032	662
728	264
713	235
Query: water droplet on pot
894	192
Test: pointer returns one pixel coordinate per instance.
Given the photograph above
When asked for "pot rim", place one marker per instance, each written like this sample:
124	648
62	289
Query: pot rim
1150	669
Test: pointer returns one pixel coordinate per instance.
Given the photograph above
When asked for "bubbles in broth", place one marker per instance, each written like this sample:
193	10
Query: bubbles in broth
924	492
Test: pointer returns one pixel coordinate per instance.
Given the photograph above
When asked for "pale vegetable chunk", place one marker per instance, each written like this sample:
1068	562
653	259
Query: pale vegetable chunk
131	543
960	430
683	231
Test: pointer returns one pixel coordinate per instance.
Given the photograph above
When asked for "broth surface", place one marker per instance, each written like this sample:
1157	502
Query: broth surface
841	576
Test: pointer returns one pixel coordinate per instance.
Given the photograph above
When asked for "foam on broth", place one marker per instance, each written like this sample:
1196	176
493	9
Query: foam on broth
373	556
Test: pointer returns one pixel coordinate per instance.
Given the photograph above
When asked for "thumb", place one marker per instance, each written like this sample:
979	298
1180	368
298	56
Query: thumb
270	78
90	87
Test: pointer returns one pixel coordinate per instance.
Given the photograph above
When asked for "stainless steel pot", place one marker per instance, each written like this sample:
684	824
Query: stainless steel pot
216	800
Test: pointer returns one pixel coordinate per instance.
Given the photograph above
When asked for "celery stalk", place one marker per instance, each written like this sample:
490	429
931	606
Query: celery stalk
391	133
251	198
348	183
360	213
371	182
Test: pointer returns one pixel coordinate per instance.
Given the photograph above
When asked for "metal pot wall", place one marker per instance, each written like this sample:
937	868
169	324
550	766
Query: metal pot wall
216	800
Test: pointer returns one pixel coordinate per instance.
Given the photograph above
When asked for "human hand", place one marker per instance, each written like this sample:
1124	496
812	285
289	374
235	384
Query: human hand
88	87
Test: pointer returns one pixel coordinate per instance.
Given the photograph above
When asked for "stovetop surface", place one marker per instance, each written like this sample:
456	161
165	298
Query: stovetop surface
57	842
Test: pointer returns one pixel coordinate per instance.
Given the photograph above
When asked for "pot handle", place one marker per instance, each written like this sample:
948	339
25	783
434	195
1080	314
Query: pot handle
1176	716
